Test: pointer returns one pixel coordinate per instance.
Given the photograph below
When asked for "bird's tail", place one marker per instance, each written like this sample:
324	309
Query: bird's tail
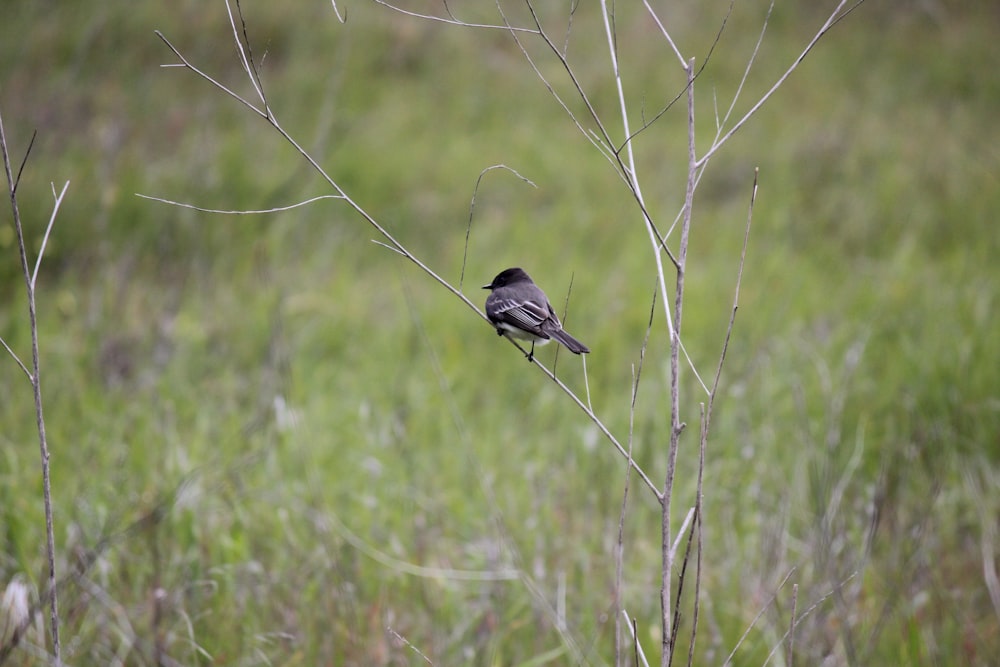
572	344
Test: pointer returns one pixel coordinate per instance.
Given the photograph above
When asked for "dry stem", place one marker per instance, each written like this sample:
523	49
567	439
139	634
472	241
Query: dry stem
34	376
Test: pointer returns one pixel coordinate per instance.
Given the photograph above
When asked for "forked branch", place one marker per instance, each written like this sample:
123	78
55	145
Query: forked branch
34	375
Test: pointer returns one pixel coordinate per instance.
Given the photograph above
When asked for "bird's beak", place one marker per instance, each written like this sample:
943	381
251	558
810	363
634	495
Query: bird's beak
490	286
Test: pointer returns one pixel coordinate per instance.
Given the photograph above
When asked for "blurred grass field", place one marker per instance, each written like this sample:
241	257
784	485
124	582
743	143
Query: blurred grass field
262	427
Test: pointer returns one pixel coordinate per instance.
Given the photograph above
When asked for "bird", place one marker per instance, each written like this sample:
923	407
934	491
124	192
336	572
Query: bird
518	308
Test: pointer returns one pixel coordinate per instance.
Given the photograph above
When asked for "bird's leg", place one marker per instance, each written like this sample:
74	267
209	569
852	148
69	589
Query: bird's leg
531	355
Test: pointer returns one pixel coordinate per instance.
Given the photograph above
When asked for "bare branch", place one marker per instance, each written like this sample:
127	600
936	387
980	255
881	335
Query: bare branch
681	578
452	20
272	121
36	385
666	35
596	420
746	71
342	18
640	656
620	551
48	230
704	63
676	425
699	508
680	532
246	54
694	369
184	63
604	149
736	295
275	209
605	137
632	178
472	209
389	247
17	359
600	140
24	161
832	20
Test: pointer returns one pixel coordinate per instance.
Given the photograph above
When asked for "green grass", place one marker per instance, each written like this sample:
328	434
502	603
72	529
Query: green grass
862	372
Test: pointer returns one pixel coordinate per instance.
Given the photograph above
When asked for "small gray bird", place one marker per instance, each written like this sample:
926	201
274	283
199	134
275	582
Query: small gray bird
518	308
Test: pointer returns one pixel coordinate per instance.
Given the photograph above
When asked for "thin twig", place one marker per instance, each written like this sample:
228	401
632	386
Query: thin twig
407	642
342	18
272	121
681	532
597	422
704	63
569	26
594	116
640	655
388	247
746	71
656	240
635	643
676	425
48	230
706	420
736	301
452	20
246	54
472	210
833	19
24	161
605	150
666	35
187	65
555	360
790	659
699	508
36	384
620	545
681	578
629	171
15	358
600	140
620	551
275	209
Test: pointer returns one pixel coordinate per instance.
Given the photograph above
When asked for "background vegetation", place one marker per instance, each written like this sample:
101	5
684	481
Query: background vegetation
261	425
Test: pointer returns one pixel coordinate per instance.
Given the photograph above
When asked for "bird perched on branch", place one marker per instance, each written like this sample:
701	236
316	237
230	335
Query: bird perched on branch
518	308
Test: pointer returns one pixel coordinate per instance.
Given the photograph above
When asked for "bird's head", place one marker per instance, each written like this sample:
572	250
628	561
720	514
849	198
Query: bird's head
508	277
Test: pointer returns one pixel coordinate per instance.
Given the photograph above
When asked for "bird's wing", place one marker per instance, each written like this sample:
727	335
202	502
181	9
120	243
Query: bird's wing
527	315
